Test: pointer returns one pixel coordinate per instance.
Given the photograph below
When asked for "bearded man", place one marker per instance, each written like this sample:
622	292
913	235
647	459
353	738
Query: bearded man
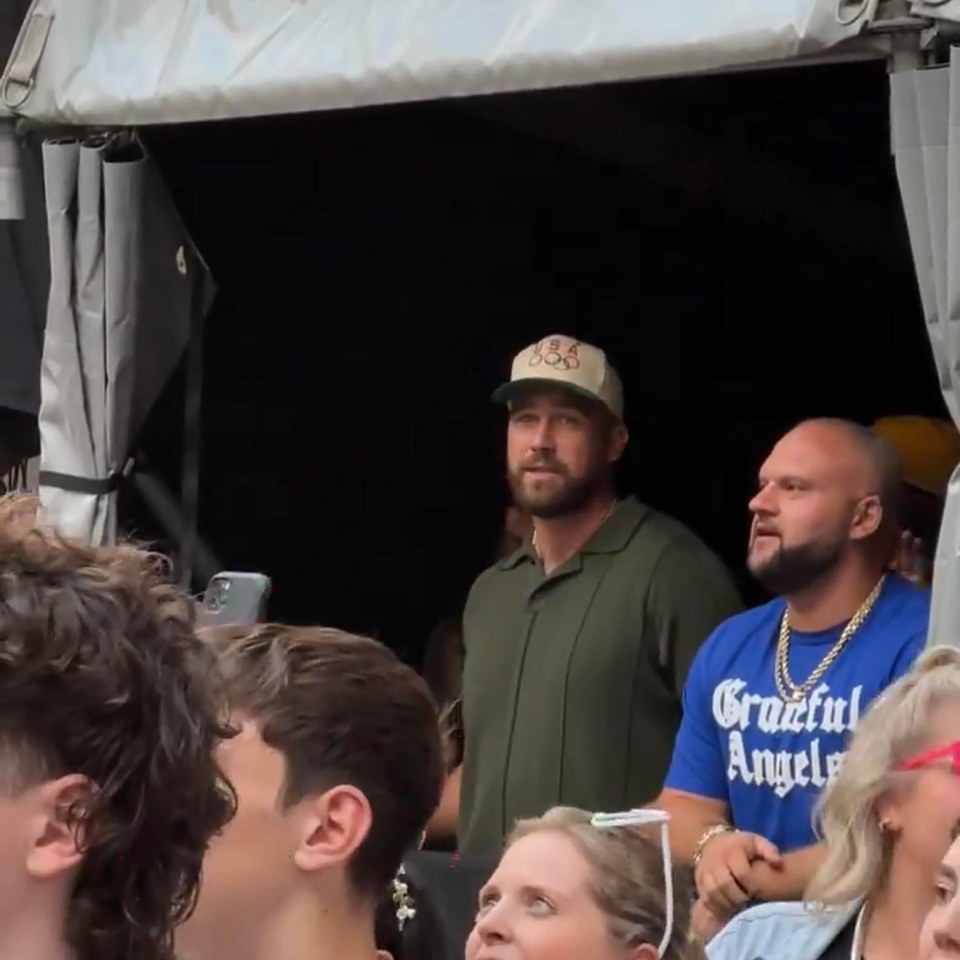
577	644
774	693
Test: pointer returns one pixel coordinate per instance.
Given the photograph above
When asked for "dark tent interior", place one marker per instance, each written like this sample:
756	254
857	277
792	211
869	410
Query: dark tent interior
735	242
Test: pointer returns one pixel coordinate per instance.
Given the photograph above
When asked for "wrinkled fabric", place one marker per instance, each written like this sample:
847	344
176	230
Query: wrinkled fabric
162	61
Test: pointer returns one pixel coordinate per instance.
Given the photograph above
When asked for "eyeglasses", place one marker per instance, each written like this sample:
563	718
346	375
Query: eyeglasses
950	752
639	817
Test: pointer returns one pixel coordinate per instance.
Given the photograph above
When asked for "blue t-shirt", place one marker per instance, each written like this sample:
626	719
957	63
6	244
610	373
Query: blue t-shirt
768	760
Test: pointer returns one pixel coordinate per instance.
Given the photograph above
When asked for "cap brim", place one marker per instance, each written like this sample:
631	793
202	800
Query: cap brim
507	392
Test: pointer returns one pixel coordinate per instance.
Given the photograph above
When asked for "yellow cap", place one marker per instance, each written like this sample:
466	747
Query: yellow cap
928	448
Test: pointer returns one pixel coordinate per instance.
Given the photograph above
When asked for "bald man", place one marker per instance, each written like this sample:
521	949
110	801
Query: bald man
773	694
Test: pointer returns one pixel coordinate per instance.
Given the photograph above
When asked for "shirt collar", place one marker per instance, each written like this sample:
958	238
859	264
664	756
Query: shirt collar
611	536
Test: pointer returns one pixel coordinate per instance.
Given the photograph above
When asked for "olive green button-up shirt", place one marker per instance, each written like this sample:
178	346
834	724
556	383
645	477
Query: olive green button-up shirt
572	682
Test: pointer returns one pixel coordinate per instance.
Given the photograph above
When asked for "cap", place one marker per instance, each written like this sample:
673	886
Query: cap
562	361
929	450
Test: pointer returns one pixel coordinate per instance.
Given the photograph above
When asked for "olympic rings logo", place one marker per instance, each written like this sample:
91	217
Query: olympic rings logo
549	355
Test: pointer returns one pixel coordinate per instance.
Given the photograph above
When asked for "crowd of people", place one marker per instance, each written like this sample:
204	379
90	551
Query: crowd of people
642	768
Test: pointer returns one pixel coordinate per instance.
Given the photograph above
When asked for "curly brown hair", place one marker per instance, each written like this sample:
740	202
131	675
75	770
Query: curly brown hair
101	675
342	709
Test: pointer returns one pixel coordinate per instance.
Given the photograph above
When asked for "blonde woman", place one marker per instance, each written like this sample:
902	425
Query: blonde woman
885	820
570	887
940	934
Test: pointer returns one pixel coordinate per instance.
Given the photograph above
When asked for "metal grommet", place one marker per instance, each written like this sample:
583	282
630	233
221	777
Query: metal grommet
16	104
850	19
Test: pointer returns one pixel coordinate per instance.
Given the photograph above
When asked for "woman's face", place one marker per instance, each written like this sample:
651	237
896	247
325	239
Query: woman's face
924	808
537	906
940	935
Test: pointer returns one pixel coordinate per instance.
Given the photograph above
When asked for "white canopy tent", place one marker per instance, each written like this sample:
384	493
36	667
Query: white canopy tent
925	115
89	63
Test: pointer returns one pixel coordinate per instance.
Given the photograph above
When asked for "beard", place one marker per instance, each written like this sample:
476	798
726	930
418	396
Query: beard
791	569
549	500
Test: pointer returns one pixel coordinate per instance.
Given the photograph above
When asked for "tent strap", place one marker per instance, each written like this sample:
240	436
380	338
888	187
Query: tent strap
190	479
96	487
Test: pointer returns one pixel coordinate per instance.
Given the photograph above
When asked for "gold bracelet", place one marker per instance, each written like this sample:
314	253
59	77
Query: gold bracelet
707	836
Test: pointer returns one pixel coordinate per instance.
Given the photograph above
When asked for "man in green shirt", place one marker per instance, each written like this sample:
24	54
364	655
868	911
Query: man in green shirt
578	644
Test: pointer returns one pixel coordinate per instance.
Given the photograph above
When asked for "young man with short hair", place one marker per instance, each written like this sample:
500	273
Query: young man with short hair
337	768
109	787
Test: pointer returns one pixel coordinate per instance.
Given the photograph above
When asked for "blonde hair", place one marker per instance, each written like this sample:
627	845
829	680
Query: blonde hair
847	818
627	879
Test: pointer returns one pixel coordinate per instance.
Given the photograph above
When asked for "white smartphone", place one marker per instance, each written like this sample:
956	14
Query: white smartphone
237	599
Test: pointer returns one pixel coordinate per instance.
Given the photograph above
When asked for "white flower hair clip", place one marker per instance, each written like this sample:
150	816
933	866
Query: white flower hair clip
639	817
402	900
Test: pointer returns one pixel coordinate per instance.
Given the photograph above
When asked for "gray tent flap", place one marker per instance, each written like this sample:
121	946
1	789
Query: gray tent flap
937	9
120	285
89	271
945	612
175	287
920	155
925	119
908	159
933	98
124	253
66	445
950	329
25	280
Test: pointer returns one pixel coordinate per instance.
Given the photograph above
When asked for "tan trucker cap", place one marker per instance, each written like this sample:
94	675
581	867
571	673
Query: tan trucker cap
562	361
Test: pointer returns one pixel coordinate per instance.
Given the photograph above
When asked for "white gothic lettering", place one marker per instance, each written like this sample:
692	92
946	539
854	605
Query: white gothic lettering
736	710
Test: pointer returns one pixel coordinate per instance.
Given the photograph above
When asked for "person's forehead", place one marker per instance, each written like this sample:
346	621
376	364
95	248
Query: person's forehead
943	722
546	859
818	452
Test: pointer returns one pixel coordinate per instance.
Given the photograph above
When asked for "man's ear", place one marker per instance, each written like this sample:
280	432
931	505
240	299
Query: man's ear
334	825
57	827
867	518
619	438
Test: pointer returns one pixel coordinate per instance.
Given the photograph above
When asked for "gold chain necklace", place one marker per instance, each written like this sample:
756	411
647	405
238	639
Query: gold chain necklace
606	517
792	692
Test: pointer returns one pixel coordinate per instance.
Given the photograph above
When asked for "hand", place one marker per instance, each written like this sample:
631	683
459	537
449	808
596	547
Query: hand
911	560
704	924
723	875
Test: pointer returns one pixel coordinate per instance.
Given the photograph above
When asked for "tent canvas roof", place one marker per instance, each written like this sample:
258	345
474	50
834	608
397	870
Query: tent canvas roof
88	62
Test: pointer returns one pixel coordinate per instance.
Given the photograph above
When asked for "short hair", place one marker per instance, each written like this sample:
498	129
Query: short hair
342	709
892	730
884	461
101	675
626	879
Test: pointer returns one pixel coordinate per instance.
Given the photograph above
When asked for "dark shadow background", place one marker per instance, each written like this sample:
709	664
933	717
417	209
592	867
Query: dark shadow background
735	243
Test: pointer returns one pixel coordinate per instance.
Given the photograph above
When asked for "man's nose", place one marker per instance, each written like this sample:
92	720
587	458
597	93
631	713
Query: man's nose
763	502
544	436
